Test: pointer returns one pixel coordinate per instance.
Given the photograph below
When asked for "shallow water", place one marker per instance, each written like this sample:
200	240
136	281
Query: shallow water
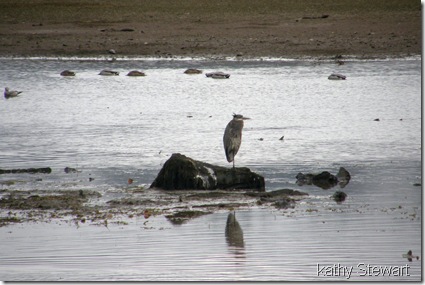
115	128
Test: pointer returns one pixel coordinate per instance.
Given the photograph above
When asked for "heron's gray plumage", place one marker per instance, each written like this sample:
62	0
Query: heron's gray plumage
233	137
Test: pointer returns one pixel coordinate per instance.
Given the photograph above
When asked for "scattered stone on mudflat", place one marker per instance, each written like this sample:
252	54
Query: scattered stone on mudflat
315	17
183	173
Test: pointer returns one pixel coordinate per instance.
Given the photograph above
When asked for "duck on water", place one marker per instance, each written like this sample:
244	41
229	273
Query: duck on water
11	93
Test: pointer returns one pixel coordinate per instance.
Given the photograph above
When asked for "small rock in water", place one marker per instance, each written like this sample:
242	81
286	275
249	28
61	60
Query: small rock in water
70	170
67	73
193	71
136	73
339	196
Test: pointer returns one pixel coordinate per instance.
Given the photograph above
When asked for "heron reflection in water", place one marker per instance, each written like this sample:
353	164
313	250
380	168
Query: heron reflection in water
233	232
233	137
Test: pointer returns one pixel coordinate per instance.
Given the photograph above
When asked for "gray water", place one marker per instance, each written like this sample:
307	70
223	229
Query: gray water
115	128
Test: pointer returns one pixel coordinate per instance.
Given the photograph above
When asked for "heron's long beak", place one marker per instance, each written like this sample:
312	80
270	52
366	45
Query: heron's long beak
246	118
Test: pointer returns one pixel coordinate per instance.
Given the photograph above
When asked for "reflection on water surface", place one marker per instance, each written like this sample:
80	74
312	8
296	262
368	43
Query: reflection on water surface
113	129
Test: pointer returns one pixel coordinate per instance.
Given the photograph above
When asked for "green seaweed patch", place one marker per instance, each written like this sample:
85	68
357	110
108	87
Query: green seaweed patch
4	221
181	217
66	200
209	195
276	193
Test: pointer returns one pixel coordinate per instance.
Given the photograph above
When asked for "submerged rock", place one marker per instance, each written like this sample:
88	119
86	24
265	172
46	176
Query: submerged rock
343	177
136	73
324	179
107	72
193	71
183	173
339	196
70	170
67	73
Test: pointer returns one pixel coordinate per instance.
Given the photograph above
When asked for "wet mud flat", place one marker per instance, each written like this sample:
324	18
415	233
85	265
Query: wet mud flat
192	28
90	206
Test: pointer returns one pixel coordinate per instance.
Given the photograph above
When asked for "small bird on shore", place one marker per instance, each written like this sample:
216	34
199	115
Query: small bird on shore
10	93
233	137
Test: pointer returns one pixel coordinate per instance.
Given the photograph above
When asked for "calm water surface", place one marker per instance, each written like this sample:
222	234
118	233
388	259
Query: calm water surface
115	128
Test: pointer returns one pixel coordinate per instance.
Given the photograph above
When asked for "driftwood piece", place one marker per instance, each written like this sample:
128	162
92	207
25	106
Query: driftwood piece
27	170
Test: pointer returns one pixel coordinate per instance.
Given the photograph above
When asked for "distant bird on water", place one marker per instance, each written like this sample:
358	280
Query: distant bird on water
337	76
233	137
107	72
10	93
217	75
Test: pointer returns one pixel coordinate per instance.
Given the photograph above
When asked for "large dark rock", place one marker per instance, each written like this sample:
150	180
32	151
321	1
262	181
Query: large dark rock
184	173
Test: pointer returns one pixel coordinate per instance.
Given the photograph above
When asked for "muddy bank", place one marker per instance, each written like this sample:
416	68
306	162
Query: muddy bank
213	29
86	206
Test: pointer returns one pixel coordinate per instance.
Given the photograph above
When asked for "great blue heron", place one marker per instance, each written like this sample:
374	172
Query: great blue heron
233	137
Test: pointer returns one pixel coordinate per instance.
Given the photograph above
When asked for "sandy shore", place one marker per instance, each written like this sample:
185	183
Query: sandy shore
165	28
